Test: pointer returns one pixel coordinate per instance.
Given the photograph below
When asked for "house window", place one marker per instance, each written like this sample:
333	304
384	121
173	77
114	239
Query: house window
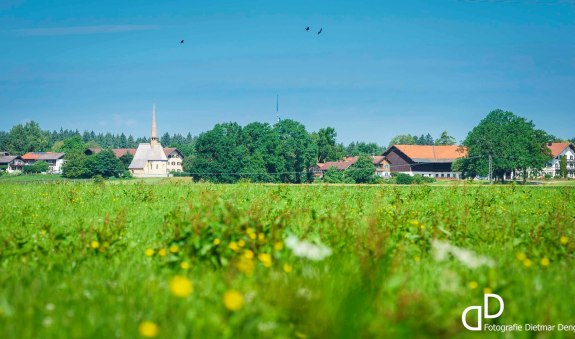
448	175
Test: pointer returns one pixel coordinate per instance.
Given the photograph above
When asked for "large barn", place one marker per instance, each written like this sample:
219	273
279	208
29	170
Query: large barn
428	161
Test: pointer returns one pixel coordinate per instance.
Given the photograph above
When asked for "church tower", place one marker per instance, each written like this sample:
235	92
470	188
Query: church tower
154	140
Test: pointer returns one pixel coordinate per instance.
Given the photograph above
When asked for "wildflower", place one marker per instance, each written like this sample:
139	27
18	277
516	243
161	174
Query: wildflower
185	265
305	249
442	248
181	286
149	252
248	254
521	256
417	258
174	249
252	236
249	230
217	241
233	300
278	246
94	244
563	240
473	285
527	263
162	252
266	259
148	329
487	290
287	268
545	262
43	232
241	243
246	266
233	246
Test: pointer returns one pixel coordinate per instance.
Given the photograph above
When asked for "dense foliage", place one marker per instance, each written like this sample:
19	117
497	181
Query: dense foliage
513	143
178	260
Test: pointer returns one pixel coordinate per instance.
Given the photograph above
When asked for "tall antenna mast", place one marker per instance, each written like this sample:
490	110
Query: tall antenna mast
277	106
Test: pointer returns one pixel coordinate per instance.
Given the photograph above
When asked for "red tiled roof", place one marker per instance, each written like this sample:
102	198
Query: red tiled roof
42	156
345	164
558	147
122	151
429	153
169	150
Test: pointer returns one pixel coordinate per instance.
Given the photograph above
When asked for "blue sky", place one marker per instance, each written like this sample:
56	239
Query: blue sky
379	68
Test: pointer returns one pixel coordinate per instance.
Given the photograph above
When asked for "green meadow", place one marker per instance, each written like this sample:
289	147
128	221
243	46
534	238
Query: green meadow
173	259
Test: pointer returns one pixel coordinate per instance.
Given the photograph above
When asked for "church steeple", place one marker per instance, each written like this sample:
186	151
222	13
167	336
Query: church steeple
154	139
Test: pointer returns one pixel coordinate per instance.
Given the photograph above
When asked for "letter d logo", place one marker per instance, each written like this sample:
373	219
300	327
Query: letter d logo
464	318
485	314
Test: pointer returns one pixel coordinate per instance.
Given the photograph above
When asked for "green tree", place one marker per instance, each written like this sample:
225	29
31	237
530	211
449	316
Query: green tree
297	149
220	154
76	166
445	139
74	144
334	176
357	148
363	171
563	166
27	138
402	139
513	143
105	164
126	160
328	149
37	167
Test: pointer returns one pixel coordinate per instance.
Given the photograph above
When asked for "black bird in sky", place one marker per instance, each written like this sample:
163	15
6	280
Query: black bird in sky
182	41
307	28
321	29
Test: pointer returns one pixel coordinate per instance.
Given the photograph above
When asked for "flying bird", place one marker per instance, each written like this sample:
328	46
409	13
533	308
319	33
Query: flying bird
321	29
307	28
182	41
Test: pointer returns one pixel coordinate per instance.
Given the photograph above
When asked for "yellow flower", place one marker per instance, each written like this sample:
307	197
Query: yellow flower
249	230
241	243
473	285
233	300
287	268
521	256
149	252
527	263
162	252
148	329
246	266
185	265
181	286
563	240
233	246
261	237
248	254
417	258
94	244
252	236
278	246
265	259
217	241
174	249
487	290
43	232
544	262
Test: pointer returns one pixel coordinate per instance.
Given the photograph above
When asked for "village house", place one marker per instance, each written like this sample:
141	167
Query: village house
55	160
13	163
559	149
174	156
382	168
426	160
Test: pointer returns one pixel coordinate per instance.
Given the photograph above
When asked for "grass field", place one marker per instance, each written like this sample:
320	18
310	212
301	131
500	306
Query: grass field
170	259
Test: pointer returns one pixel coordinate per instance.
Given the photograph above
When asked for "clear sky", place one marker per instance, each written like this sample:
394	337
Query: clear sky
378	69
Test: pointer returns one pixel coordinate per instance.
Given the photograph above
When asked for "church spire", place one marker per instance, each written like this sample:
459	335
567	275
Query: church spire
154	139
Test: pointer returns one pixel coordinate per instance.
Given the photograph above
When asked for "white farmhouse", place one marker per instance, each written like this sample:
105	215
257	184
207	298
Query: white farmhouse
559	149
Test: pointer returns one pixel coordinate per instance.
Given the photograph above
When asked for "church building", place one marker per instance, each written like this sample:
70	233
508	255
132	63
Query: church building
150	159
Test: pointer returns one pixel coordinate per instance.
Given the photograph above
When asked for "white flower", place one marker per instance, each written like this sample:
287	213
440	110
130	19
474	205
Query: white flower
442	248
305	249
